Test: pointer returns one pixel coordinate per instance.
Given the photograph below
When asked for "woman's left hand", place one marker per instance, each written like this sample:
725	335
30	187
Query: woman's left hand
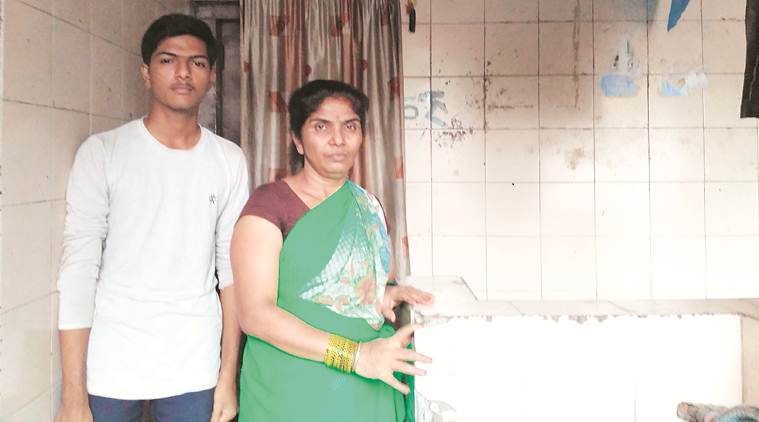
224	402
395	295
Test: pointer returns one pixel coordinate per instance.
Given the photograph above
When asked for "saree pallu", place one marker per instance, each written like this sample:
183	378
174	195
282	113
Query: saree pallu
332	274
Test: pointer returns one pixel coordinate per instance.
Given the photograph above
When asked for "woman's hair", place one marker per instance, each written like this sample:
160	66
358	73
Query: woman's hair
174	25
308	98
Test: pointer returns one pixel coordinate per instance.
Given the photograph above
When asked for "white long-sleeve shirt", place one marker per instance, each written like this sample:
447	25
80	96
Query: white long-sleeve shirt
146	229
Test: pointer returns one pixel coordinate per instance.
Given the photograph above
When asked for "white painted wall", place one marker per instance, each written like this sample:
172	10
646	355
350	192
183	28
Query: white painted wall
541	369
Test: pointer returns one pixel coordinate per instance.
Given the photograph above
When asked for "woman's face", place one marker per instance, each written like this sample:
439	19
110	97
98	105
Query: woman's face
330	138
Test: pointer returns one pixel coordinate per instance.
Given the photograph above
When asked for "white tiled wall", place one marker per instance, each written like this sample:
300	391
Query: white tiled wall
525	178
70	68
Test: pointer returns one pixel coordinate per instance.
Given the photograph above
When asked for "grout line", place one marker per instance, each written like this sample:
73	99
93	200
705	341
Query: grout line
595	181
648	166
44	296
485	83
429	128
703	146
540	182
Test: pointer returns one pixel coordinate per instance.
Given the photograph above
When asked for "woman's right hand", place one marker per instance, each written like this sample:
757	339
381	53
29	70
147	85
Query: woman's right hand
381	357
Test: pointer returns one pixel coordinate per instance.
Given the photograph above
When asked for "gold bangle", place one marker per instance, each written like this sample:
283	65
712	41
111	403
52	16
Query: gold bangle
340	353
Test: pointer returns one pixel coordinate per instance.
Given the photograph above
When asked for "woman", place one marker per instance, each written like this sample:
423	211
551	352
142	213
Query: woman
311	259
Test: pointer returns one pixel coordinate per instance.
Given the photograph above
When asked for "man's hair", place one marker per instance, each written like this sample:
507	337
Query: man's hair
174	25
305	100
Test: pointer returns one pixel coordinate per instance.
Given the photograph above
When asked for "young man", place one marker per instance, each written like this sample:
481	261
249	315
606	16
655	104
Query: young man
150	210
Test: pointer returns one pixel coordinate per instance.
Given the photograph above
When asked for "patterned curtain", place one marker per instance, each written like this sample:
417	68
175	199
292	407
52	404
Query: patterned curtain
286	43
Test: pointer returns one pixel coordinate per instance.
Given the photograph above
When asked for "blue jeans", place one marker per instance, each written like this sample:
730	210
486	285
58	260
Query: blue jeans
189	407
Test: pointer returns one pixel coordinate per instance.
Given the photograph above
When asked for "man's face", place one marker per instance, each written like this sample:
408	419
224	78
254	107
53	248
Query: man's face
179	73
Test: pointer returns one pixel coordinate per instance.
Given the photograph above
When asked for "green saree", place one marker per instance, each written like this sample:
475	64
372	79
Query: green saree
333	268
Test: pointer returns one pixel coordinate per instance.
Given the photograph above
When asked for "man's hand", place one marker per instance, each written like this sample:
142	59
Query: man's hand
74	412
224	401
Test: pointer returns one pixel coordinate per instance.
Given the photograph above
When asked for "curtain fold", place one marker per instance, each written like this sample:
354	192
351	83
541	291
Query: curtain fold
286	43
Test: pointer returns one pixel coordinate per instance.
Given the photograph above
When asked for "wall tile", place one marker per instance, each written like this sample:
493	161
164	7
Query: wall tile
614	40
45	5
566	101
71	72
619	10
463	98
26	77
26	343
512	156
417	153
135	21
513	268
677	155
26	254
511	49
450	43
105	20
730	154
677	268
511	11
135	94
26	158
620	112
622	209
731	267
512	102
107	74
422	11
416	51
458	11
624	268
71	129
723	9
722	102
732	208
420	255
458	209
57	220
677	209
675	51
462	256
568	268
416	92
100	124
664	111
566	155
658	10
418	209
37	410
621	155
56	374
566	48
75	12
458	156
563	10
567	209
513	209
724	46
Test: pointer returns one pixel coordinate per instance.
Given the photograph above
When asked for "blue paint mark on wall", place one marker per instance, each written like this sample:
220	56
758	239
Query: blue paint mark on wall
616	85
682	86
431	102
675	12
